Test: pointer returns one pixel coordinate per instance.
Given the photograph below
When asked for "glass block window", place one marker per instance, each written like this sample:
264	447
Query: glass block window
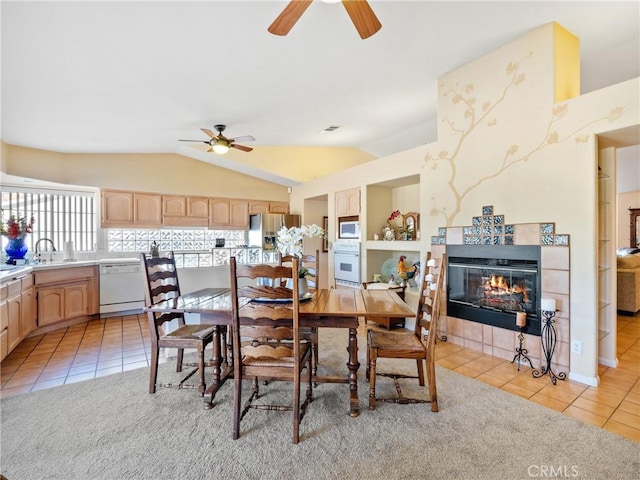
124	240
192	247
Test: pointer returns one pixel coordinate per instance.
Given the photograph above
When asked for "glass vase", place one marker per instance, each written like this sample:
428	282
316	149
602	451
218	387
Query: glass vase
16	249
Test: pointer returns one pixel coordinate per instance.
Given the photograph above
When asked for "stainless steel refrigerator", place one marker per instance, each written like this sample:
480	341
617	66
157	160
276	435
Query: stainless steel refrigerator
264	227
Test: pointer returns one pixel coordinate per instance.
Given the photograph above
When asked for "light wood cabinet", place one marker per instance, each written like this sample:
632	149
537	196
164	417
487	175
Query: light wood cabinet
184	211
4	322
121	209
14	300
347	202
264	206
147	210
278	207
239	210
66	293
117	208
27	306
228	213
17	312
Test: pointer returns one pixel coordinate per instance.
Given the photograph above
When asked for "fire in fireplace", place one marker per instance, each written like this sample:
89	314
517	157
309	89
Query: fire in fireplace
490	283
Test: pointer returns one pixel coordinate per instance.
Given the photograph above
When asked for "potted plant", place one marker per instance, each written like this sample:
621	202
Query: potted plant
289	242
16	230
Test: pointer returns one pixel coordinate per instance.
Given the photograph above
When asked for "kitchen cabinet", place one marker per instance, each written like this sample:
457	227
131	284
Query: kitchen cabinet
66	293
147	210
117	208
27	306
228	213
264	206
17	312
347	202
14	300
4	323
185	211
122	209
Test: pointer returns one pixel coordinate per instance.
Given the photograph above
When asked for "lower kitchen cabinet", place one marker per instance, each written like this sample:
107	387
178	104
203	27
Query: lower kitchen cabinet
4	323
66	293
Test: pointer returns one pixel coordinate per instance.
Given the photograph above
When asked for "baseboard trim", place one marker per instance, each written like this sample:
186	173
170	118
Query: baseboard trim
591	381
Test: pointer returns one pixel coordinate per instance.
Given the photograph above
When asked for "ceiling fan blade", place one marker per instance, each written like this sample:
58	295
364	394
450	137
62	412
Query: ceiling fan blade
289	16
208	132
362	17
245	138
199	141
241	147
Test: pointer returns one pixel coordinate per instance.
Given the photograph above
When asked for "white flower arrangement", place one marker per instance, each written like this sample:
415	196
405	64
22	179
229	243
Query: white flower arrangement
290	239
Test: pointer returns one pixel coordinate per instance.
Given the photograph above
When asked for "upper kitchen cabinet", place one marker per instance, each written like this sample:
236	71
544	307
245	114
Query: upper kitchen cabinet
228	213
122	209
184	211
264	206
347	202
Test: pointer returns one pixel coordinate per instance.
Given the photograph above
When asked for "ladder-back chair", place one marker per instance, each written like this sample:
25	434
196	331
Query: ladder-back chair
408	344
311	264
266	339
161	280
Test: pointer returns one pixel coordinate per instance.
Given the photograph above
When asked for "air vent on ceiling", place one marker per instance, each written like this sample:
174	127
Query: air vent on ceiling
330	129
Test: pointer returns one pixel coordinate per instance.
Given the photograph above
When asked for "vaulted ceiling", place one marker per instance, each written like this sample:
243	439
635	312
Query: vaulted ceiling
126	76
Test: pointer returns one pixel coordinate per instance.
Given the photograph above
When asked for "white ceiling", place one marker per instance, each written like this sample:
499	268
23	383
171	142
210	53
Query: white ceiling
125	77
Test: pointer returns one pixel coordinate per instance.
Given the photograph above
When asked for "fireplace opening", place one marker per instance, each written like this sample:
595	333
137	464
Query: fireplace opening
489	284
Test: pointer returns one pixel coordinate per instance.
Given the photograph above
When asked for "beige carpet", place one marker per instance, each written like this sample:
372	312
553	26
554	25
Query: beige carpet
110	428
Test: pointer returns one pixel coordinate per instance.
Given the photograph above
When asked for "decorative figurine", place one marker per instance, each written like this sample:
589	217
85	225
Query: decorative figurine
407	273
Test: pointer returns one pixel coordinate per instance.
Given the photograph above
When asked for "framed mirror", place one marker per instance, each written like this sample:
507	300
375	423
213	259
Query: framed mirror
411	225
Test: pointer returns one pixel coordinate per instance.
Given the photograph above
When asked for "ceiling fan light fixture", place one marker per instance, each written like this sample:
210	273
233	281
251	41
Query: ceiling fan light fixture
221	147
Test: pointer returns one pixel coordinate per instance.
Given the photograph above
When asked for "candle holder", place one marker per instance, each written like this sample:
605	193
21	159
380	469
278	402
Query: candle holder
521	353
548	339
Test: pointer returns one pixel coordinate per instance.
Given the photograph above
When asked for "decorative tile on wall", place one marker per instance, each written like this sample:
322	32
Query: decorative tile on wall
492	229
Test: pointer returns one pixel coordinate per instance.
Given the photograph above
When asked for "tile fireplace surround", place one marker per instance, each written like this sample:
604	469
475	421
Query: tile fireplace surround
491	229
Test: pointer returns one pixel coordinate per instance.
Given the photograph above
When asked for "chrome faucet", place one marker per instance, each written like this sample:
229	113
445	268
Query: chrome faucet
53	247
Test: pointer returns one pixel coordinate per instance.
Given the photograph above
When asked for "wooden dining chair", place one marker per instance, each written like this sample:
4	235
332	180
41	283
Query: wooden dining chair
409	344
312	265
161	280
266	339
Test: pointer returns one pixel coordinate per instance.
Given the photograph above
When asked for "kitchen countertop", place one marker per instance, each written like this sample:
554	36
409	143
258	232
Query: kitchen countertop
11	272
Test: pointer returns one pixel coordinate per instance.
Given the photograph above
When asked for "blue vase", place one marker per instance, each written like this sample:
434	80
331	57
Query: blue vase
16	249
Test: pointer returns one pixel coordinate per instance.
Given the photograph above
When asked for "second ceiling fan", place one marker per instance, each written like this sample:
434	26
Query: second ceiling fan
221	144
360	12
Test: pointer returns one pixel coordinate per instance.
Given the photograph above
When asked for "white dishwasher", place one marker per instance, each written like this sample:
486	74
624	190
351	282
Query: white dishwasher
121	288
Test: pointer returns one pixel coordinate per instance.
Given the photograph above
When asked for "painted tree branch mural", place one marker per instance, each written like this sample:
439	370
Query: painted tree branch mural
476	120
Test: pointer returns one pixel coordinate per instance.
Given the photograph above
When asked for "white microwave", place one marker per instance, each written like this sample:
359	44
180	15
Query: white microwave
349	229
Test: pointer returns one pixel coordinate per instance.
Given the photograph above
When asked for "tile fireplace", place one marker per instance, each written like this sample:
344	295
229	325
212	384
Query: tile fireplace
489	284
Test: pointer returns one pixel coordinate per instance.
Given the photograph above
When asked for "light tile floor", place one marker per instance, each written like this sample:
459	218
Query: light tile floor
102	347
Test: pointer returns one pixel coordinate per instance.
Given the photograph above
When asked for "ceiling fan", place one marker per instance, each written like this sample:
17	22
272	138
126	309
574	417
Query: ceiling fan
360	12
221	144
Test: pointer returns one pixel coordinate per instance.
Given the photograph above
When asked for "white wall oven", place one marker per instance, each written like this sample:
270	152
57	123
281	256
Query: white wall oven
346	258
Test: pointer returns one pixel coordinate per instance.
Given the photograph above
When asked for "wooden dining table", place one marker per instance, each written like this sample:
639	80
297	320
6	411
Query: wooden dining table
327	308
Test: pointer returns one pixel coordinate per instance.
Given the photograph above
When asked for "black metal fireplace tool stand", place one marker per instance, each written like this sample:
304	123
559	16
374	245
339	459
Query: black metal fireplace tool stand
548	339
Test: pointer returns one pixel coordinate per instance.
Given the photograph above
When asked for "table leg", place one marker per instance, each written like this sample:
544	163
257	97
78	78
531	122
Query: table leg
353	366
216	361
